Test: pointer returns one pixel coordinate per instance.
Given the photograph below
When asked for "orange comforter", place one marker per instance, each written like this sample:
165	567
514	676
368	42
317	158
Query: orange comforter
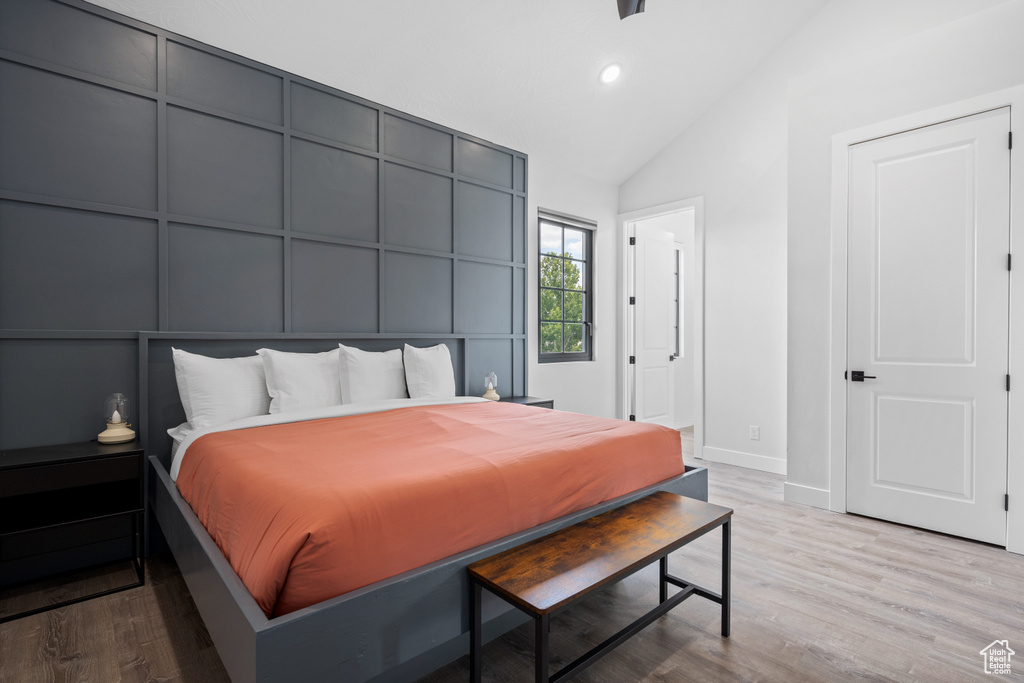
309	510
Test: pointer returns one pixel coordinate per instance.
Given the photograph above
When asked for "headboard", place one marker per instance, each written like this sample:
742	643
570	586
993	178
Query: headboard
154	189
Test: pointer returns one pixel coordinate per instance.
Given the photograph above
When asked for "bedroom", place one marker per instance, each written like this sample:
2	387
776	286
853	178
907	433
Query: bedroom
755	140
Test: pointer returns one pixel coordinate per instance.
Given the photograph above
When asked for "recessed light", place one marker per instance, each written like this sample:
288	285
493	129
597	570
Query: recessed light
610	73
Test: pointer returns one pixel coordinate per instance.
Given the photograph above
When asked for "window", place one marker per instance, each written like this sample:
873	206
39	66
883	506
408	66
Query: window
566	288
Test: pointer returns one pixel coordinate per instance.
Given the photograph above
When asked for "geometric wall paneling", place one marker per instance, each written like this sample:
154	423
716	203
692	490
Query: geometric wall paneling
417	208
151	183
67	138
58	386
518	361
102	269
518	300
488	355
418	143
519	229
417	293
484	163
79	40
220	83
334	118
484	222
334	192
224	280
223	170
519	174
480	285
334	288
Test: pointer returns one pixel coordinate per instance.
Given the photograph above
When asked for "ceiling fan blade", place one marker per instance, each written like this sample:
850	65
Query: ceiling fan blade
628	8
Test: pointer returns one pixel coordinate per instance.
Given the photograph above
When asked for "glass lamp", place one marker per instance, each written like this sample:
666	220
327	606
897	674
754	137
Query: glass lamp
491	382
117	411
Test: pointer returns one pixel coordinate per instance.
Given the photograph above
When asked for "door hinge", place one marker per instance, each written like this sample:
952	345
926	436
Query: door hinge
632	360
632	241
845	374
1007	382
1006	502
632	301
632	418
1009	140
1009	261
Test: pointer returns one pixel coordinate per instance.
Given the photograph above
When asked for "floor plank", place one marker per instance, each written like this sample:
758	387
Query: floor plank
818	596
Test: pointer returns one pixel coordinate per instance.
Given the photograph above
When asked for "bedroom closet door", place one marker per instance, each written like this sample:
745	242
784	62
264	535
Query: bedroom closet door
928	327
655	341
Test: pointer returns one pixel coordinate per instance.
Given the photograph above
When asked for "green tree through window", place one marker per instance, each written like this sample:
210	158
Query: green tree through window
565	306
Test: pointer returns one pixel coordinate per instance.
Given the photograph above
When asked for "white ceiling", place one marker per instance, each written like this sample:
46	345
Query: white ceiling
521	73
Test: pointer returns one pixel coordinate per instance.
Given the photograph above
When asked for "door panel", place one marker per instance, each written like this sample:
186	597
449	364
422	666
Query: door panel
926	269
928	319
655	325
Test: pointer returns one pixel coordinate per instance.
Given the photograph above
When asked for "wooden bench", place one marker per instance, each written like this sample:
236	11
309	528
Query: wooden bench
544	575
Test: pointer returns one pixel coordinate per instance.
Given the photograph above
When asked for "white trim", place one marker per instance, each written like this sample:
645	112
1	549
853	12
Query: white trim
626	222
1014	98
683	424
805	495
748	460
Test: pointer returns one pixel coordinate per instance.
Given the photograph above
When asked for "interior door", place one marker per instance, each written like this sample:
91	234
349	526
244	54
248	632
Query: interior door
928	327
655	341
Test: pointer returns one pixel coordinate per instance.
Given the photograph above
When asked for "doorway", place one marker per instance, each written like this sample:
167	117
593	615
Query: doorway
928	326
662	329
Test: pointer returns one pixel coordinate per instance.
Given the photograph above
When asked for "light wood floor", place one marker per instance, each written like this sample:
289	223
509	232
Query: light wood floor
817	597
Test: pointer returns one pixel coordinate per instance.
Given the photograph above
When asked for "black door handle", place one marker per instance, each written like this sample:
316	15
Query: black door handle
672	357
859	376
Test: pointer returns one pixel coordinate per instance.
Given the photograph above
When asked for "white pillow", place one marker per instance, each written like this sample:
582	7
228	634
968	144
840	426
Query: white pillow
302	380
428	372
218	390
371	376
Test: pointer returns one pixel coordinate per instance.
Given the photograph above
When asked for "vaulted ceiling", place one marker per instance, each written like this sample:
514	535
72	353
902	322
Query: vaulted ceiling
522	73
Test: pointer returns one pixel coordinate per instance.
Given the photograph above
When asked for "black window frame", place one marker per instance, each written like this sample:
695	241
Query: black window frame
588	229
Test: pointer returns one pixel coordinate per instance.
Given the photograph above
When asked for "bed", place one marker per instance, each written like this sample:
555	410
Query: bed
396	628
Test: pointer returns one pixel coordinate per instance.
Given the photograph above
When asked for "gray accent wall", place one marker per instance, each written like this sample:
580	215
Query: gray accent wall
149	182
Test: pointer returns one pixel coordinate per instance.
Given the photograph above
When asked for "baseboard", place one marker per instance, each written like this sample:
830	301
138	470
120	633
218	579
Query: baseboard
805	495
748	460
683	424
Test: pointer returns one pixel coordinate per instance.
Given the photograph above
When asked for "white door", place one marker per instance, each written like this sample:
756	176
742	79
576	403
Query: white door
928	325
655	341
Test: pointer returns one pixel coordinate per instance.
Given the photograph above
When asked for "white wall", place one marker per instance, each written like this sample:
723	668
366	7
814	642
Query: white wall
735	156
584	386
973	56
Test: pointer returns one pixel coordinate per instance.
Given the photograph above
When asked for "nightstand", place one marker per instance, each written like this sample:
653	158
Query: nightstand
530	401
68	507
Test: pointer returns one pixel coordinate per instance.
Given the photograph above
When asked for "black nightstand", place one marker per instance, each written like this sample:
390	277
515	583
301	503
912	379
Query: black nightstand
530	401
68	507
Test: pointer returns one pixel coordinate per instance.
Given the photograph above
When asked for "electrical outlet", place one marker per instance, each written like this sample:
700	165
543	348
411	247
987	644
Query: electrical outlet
755	433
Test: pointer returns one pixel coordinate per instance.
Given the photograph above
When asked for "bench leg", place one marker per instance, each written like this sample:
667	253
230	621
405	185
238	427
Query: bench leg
726	562
663	583
543	626
475	632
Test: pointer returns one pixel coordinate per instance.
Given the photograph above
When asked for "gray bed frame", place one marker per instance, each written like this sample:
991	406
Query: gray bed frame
397	629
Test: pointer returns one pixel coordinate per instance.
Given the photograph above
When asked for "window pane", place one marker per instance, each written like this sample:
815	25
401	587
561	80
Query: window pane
574	306
551	304
573	338
551	338
575	275
550	271
550	239
574	243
